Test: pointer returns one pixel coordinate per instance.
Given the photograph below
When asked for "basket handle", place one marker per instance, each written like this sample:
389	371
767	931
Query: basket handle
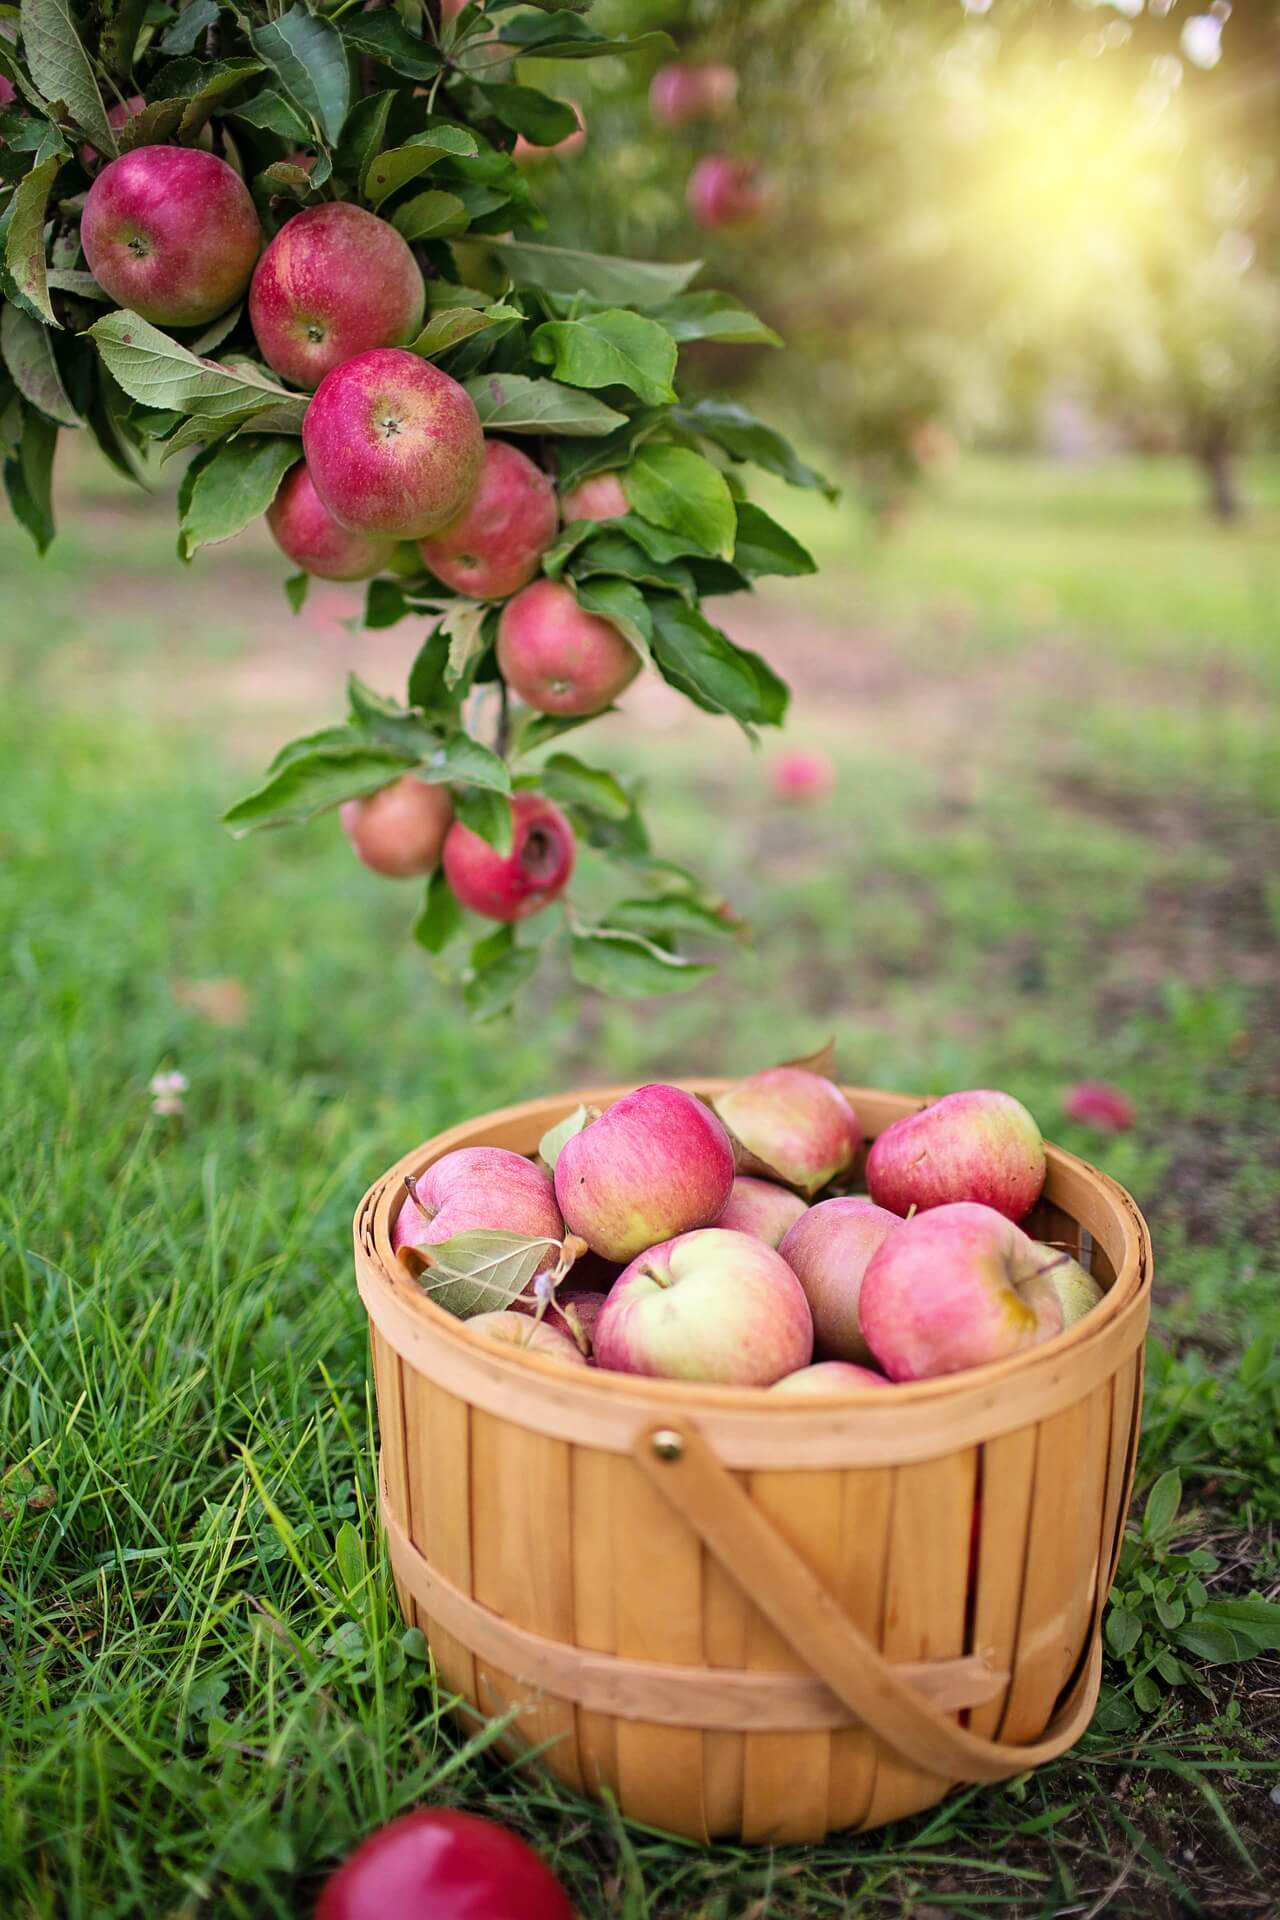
685	1470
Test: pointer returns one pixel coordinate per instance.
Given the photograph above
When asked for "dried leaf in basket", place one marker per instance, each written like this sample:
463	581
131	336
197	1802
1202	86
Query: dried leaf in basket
480	1271
557	1138
823	1062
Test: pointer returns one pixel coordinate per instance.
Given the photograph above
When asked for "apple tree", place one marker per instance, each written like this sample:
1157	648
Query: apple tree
235	234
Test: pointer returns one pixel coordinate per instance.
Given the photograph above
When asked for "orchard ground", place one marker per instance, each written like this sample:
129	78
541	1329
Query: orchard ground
1051	855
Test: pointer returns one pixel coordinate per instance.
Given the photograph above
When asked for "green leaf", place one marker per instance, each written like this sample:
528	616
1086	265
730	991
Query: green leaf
464	625
383	36
707	315
349	1554
566	36
203	87
62	70
625	283
487	814
484	1269
441	917
434	215
274	114
310	60
557	1138
541	119
670	914
1162	1505
744	437
577	460
1215	1644
571	783
535	730
762	546
1146	1694
499	969
704	663
1123	1630
363	135
295	590
191	25
681	491
426	688
155	124
237	486
448	325
623	606
28	477
28	354
611	349
514	403
614	553
314	783
629	967
157	371
24	241
459	757
387	172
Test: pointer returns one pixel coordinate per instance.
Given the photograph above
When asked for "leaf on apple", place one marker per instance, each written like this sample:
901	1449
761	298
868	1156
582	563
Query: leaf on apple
480	1271
557	1137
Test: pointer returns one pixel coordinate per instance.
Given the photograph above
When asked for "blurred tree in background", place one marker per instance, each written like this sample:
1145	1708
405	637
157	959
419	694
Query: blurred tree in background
992	220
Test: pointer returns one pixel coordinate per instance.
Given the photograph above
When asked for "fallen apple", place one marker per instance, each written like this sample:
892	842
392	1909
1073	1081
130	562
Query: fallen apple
478	1187
956	1287
558	657
1095	1103
761	1208
304	529
172	233
655	1164
829	1249
828	1376
512	886
438	1864
804	775
791	1124
399	830
336	281
980	1145
494	546
707	1305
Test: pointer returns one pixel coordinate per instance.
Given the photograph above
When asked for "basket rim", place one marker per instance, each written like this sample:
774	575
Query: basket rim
876	1109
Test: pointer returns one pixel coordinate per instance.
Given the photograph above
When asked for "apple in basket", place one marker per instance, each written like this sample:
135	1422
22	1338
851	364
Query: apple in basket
829	1249
479	1187
980	1145
791	1125
655	1164
762	1208
827	1377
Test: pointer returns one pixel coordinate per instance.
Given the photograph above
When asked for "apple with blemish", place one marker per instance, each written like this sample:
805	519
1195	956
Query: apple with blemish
762	1209
304	529
956	1287
493	547
829	1250
709	1305
530	1336
558	657
979	1145
399	830
514	885
655	1164
335	282
392	444
793	1124
474	1188
601	497
1078	1292
171	233
827	1377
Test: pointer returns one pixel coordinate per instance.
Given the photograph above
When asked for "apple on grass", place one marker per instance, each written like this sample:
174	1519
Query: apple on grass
307	533
601	497
335	282
478	1187
829	1249
558	657
956	1287
803	775
709	1305
512	886
655	1164
791	1124
399	830
494	546
513	1329
393	445
761	1208
172	233
828	1376
438	1864
980	1145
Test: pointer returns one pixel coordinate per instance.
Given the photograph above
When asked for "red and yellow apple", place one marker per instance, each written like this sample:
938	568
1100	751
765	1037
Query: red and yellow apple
827	1377
531	1336
655	1164
980	1145
791	1124
399	830
761	1208
478	1187
600	497
493	547
829	1250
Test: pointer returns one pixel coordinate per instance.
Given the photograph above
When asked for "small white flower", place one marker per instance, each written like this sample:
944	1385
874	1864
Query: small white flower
544	1287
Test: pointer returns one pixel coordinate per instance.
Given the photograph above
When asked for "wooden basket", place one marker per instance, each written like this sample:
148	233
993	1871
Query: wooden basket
751	1615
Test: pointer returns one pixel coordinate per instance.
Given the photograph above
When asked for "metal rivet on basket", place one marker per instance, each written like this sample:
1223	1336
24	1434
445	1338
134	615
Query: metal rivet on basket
667	1445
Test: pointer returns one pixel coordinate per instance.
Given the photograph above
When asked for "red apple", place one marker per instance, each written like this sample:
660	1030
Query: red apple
117	116
393	445
7	93
804	775
791	1123
435	1864
761	1208
526	154
653	1165
558	657
304	529
513	885
829	1249
679	94
573	1312
707	1305
601	497
172	233
494	546
513	1329
479	1187
980	1145
828	1376
334	282
955	1287
1094	1103
400	829
724	192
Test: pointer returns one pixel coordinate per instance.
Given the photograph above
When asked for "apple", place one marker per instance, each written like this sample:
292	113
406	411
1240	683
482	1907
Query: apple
558	657
829	1249
980	1145
336	281
600	497
573	1312
679	94
655	1164
447	1865
791	1124
828	1376
955	1287
304	529
493	547
172	233
512	886
804	775
117	116
1094	1103
526	154
1078	1292
400	829
7	92
724	192
518	1330
762	1208
392	444
477	1187
709	1305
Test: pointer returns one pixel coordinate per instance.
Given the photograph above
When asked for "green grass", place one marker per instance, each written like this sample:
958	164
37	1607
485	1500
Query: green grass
1050	856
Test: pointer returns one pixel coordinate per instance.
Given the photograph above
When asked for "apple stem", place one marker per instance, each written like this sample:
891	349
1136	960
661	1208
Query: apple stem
659	1276
912	1210
424	1206
1059	1262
